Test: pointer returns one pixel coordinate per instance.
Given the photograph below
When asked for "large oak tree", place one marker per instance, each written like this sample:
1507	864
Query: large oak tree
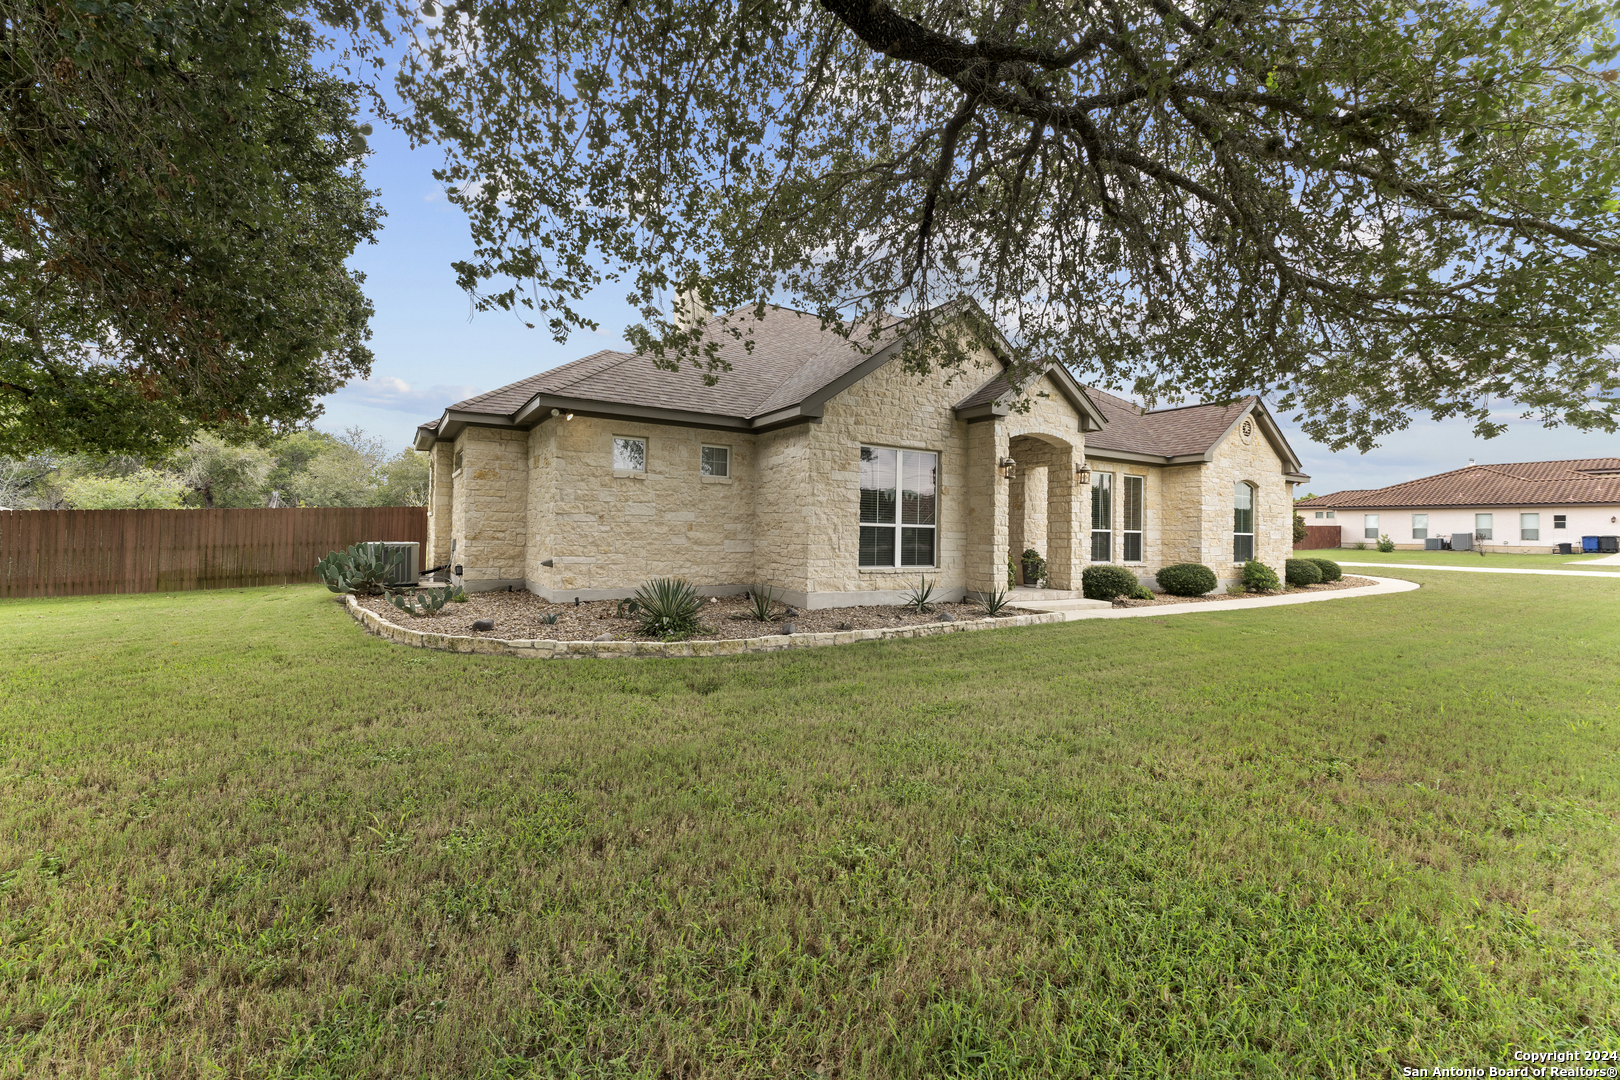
179	188
1367	209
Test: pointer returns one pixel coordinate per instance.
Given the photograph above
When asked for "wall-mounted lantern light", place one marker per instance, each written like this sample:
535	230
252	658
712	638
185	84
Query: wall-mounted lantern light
559	412
1008	467
1082	473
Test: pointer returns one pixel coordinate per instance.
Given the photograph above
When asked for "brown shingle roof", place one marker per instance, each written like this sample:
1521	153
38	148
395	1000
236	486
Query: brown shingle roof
791	357
1582	482
1191	429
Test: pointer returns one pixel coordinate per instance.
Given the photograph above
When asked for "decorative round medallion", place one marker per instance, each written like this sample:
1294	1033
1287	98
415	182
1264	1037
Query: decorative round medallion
1247	429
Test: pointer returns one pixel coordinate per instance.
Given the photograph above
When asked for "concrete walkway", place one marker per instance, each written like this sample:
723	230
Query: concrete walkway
1072	614
1488	569
1607	560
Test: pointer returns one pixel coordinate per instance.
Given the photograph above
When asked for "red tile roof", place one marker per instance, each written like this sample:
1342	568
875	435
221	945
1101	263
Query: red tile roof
1582	482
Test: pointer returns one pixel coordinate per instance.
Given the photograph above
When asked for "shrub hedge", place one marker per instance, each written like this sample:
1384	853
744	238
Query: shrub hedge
1186	579
1258	577
1106	582
1298	572
1331	571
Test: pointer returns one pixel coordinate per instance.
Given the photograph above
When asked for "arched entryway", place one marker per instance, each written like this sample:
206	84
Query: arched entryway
1044	508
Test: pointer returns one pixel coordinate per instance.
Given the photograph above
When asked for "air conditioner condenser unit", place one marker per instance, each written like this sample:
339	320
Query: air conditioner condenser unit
404	560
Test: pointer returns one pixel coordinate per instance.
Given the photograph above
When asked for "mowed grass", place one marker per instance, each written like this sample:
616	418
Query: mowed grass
1490	560
240	838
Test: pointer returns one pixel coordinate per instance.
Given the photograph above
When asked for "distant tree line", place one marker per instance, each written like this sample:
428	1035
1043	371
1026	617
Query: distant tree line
305	468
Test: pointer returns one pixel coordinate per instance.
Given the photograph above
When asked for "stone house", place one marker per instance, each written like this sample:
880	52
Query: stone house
836	478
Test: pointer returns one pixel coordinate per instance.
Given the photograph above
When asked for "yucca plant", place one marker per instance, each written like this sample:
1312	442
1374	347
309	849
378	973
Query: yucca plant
919	596
992	602
762	604
668	607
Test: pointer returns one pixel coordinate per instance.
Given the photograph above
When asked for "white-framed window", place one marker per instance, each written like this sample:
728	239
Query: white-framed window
1131	519
1482	526
715	461
1242	521
1529	526
629	454
1560	521
1420	526
1102	517
1319	513
457	469
899	507
1330	513
1369	526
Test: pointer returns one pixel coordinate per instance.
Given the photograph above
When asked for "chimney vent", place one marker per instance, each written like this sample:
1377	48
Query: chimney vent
689	313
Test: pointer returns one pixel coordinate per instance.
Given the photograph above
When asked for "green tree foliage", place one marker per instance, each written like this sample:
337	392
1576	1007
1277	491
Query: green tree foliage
1299	528
146	489
305	468
221	475
179	189
1369	210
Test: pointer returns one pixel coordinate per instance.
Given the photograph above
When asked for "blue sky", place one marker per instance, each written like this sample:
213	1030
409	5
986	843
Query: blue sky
432	351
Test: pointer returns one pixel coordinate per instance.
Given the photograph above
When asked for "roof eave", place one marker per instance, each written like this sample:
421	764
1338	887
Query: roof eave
989	410
540	408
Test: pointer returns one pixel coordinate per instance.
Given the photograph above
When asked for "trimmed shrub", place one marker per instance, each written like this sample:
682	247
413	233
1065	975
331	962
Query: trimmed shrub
1300	572
1385	544
1331	571
1143	593
1187	579
1258	577
1106	582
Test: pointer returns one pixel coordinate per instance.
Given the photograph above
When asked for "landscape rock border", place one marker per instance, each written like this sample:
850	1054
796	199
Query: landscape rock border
541	649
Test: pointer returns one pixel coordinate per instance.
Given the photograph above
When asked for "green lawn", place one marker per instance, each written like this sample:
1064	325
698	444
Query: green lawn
240	838
1461	558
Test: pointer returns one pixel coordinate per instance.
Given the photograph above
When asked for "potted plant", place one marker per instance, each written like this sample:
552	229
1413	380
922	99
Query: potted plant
1034	567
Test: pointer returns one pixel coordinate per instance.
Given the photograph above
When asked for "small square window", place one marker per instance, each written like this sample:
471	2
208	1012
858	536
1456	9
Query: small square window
1319	513
716	461
629	455
1560	521
458	461
1330	513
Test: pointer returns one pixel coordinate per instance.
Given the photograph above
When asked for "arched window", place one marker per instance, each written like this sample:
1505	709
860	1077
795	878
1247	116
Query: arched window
1242	521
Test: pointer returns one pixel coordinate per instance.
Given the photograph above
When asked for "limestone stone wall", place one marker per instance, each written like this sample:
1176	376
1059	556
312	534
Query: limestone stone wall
1249	458
894	408
489	507
441	490
606	532
1166	507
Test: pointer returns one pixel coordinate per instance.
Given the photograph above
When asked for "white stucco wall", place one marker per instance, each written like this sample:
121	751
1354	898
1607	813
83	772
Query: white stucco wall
1505	527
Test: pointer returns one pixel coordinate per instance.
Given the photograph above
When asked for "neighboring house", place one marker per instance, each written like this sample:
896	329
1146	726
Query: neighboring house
1529	506
836	478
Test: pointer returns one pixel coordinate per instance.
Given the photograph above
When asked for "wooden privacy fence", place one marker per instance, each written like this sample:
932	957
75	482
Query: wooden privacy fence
75	552
1318	536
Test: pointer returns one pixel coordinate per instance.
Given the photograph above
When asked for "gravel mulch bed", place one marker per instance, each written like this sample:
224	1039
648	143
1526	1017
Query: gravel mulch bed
517	616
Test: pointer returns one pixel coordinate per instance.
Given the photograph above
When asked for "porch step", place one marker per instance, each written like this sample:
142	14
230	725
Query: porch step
1029	592
1075	604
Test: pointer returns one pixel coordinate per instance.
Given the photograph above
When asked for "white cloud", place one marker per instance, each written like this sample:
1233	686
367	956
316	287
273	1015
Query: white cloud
397	395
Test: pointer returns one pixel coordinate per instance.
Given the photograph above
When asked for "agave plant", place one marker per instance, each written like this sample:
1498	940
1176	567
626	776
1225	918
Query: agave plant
762	604
919	596
363	569
992	602
423	603
667	607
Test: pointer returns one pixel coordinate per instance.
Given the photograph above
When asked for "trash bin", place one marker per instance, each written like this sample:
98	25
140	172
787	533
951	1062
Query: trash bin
1589	543
1609	545
1563	549
1432	544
